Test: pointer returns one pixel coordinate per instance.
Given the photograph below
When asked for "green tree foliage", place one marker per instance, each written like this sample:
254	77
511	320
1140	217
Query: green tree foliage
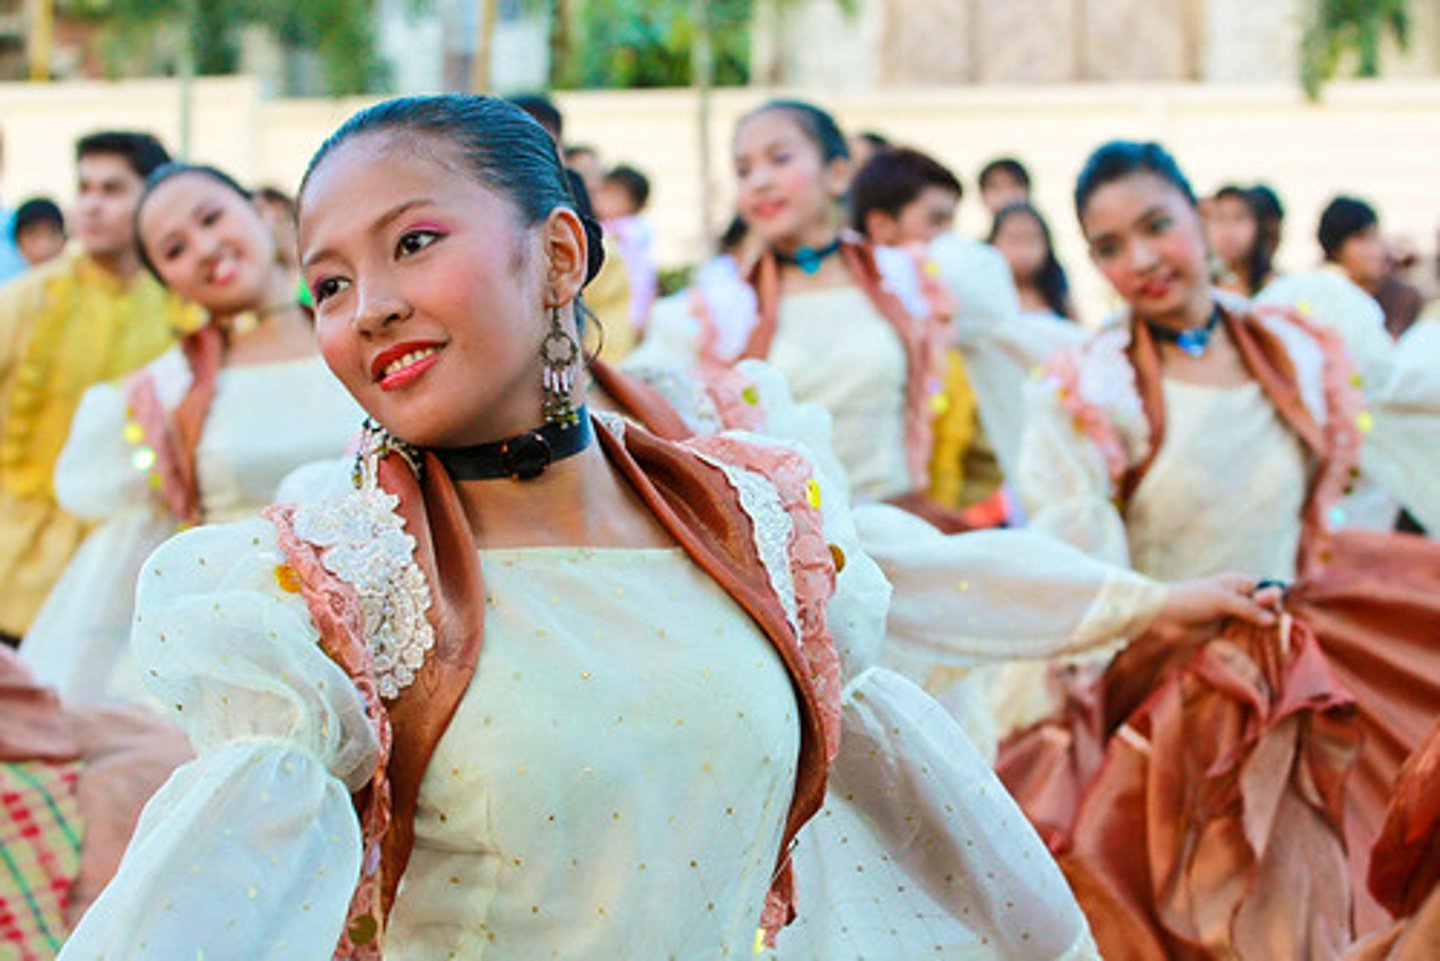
646	43
341	32
1342	30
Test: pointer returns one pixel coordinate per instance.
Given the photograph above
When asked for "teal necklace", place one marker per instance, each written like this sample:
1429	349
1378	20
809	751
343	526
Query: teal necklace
809	259
1193	340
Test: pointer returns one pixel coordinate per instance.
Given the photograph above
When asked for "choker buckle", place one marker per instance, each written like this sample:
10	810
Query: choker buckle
526	456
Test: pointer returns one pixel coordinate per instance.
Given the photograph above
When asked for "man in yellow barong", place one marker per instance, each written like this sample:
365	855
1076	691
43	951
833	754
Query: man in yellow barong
91	315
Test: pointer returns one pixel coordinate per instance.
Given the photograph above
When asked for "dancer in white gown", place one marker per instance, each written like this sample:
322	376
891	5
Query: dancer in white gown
203	434
861	332
677	641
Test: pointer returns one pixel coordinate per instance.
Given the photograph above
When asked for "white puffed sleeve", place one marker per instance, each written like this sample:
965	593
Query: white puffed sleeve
1064	480
1401	381
97	475
977	597
1001	345
253	849
918	851
1402	450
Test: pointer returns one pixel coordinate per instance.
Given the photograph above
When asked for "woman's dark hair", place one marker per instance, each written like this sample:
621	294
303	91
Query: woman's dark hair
498	143
1005	165
817	125
1268	214
1343	218
1119	159
1053	284
892	179
169	171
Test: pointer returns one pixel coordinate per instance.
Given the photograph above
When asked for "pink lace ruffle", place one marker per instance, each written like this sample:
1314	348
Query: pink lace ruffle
1345	410
143	400
335	610
1063	372
813	572
735	396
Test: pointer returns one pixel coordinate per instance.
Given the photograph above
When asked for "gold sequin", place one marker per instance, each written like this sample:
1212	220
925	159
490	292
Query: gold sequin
750	395
288	580
837	556
812	493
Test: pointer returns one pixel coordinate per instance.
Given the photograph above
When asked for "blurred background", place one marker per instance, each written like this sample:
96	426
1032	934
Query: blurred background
1314	97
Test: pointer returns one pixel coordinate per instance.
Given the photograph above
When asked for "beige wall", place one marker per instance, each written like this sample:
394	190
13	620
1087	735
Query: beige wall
1379	140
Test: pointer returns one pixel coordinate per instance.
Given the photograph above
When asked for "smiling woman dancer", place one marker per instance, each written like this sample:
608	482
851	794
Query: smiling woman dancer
1202	433
535	673
205	433
854	328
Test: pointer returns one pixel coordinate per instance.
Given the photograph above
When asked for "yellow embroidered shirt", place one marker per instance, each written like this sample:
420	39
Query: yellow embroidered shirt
63	327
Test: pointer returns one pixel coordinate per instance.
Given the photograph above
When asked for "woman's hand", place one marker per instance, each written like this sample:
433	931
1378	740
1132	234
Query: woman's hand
1195	610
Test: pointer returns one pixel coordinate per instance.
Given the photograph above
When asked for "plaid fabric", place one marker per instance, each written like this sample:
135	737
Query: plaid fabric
40	832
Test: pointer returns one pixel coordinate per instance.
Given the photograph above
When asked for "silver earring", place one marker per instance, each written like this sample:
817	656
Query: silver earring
560	353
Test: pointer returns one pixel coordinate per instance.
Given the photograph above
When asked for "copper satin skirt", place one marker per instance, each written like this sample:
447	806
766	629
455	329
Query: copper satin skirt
1223	799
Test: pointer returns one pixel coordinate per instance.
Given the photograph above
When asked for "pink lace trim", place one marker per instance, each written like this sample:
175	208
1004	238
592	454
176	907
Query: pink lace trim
144	402
813	572
335	610
1345	410
735	396
1063	371
812	566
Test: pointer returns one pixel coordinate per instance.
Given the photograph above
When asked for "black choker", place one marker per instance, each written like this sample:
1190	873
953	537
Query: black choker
521	457
809	259
1193	340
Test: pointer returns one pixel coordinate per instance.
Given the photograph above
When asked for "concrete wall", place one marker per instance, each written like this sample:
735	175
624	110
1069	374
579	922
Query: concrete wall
1379	140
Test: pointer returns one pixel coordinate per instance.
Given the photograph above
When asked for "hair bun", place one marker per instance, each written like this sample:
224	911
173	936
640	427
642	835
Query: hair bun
594	246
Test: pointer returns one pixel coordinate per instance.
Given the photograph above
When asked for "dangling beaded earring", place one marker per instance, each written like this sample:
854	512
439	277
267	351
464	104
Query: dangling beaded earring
375	443
560	354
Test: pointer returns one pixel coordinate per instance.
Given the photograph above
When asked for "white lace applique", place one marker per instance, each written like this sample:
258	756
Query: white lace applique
772	526
686	394
612	422
1107	380
363	542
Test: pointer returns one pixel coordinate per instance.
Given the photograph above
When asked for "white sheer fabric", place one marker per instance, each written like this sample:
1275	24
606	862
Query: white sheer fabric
253	849
986	890
1225	492
550	823
975	616
1002	345
1401	381
836	351
252	440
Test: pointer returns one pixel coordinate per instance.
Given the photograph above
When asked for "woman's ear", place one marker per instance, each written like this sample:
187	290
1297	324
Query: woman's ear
565	256
837	176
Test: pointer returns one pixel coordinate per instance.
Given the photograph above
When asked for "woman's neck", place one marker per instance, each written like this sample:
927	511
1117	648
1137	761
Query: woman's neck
1194	312
271	328
1031	298
577	502
815	236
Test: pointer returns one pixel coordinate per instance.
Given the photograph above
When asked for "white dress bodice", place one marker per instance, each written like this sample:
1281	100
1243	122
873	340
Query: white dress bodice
550	823
835	350
253	437
1225	492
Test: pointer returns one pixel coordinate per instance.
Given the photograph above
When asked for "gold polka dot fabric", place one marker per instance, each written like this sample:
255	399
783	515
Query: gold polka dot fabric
629	745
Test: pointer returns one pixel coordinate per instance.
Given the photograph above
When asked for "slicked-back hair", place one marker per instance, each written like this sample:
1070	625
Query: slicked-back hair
500	145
